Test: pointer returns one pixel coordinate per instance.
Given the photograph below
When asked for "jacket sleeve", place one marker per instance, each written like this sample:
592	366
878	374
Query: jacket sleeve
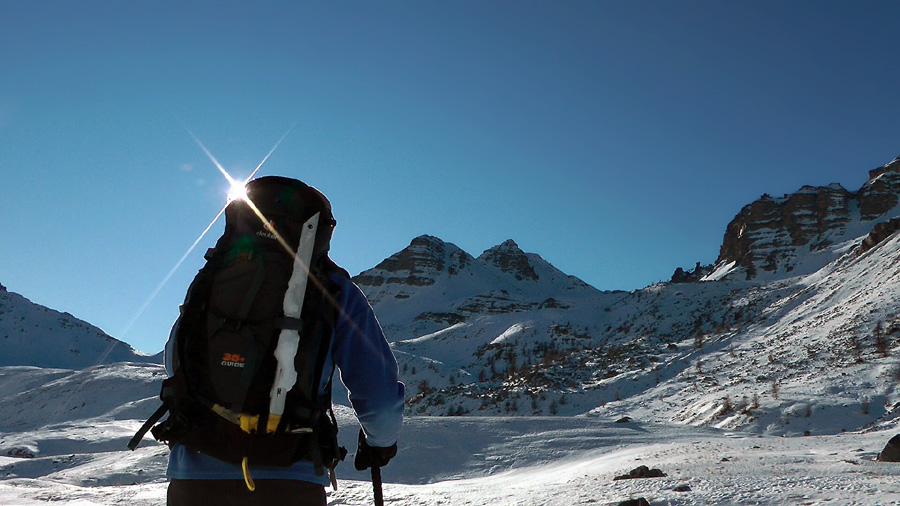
368	369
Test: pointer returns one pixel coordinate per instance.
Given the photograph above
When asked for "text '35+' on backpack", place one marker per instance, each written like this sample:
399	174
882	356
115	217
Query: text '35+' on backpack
250	344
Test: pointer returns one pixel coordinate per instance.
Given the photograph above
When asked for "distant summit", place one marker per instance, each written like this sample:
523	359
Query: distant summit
431	282
510	259
419	264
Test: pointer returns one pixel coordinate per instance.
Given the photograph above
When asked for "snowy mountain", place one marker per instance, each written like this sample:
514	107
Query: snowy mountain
33	335
451	316
813	331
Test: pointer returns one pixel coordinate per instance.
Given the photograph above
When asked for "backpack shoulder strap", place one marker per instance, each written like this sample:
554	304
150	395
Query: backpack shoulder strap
155	417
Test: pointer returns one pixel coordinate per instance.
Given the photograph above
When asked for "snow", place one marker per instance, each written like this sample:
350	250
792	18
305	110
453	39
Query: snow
509	333
518	460
722	270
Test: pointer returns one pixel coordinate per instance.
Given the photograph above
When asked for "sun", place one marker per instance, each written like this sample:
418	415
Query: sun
238	191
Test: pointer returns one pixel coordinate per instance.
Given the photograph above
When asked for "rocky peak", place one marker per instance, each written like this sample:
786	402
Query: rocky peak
880	193
418	264
768	233
892	166
424	254
509	258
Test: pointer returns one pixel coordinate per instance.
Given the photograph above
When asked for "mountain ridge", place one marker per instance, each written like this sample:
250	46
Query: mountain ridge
30	332
774	237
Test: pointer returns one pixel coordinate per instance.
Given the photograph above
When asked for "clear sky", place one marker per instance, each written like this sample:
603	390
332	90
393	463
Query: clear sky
615	138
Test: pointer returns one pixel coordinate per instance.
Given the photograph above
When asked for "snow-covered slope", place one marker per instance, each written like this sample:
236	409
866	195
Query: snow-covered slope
819	354
71	450
780	356
34	335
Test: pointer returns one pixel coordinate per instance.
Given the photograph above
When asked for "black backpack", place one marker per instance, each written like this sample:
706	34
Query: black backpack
251	341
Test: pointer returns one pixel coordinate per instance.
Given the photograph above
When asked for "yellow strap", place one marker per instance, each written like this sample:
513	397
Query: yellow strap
249	423
273	423
247	478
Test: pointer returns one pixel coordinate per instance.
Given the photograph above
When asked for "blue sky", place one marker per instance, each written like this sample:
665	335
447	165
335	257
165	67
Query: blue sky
616	139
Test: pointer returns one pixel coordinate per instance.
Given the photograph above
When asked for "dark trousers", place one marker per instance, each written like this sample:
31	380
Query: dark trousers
235	492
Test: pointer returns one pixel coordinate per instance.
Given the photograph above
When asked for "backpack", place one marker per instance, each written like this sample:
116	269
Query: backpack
250	344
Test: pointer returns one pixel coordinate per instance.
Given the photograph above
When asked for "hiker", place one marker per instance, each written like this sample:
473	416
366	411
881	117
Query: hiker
251	439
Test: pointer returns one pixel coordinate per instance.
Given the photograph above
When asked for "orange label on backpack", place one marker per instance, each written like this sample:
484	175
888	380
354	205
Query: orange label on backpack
233	360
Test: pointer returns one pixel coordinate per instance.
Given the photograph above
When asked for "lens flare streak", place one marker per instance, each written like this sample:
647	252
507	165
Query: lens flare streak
169	275
269	153
215	162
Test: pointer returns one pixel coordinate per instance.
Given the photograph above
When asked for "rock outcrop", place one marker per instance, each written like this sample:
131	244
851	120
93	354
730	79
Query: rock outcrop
419	264
771	234
881	232
510	259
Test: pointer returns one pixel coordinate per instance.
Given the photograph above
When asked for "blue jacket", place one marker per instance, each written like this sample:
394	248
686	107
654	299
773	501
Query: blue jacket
368	370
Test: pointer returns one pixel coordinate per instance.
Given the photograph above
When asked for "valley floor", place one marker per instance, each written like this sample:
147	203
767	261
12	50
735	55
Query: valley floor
519	461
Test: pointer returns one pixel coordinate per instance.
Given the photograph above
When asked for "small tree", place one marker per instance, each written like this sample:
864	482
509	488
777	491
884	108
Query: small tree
857	349
726	405
881	342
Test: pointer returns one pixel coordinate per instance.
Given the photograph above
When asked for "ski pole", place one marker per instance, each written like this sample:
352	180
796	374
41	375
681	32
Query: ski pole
376	486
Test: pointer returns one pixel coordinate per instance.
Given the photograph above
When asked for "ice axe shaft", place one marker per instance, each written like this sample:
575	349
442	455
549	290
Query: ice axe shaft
376	486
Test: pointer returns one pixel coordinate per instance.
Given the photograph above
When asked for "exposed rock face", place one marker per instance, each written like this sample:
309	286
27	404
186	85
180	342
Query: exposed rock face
510	259
767	233
880	194
881	232
418	264
682	276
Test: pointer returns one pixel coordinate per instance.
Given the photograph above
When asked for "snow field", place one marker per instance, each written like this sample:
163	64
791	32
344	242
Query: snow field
530	461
